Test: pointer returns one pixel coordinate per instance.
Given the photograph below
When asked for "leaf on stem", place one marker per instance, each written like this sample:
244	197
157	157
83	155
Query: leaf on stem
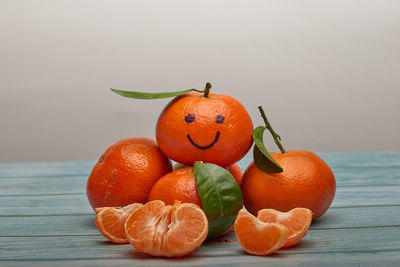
220	196
262	158
144	95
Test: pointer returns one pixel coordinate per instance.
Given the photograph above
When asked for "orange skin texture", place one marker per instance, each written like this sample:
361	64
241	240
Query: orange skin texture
236	172
235	138
181	185
126	172
177	185
234	169
306	182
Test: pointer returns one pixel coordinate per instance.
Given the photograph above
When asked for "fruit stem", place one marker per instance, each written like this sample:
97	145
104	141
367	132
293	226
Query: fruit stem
207	89
276	137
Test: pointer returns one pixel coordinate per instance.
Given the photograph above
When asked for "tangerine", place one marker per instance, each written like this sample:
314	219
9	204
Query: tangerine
257	237
234	169
297	222
236	172
306	182
164	230
177	185
210	128
180	185
126	172
111	222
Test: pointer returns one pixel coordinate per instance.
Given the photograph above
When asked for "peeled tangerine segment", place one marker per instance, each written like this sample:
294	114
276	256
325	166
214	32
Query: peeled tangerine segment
111	222
167	230
259	238
297	222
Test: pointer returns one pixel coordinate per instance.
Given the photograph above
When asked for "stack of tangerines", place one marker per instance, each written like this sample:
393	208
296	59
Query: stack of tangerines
169	211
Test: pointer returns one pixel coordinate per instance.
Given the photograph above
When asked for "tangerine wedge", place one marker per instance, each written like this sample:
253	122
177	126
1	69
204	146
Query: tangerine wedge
167	230
257	237
297	222
111	222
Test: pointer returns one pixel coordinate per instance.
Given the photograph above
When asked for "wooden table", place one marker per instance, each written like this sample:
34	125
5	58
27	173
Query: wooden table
45	219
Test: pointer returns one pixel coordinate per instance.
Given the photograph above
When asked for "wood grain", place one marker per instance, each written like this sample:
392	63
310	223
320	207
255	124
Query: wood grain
45	220
96	247
77	203
49	225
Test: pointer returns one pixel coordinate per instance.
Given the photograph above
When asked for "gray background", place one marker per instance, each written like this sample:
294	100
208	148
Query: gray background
326	72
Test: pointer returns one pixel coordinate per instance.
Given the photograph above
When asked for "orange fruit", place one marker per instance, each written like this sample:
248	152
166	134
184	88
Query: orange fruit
215	129
163	230
234	169
111	222
257	237
180	185
306	182
126	172
177	185
297	222
236	172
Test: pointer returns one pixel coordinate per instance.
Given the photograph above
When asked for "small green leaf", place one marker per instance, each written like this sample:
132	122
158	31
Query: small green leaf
262	158
144	95
220	196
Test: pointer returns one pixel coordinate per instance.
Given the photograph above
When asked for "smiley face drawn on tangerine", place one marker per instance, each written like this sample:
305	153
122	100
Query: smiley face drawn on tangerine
190	118
215	129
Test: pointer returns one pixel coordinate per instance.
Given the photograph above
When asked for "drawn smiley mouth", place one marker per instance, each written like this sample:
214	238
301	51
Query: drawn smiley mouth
203	147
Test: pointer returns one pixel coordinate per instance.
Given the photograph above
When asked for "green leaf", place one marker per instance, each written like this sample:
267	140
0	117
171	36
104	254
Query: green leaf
220	196
144	95
262	158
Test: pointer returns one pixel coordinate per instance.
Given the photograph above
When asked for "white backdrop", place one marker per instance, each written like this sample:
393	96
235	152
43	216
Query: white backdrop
326	72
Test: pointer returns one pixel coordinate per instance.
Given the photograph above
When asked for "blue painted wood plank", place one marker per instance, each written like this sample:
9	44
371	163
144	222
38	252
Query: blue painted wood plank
361	161
370	241
43	186
58	178
362	227
45	169
336	218
77	184
78	203
365	259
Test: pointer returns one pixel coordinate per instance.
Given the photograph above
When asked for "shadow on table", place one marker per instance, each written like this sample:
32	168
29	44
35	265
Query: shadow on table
89	222
276	255
303	244
325	220
142	256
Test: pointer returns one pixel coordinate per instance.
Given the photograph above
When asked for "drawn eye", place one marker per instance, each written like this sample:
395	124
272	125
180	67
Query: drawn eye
189	118
219	119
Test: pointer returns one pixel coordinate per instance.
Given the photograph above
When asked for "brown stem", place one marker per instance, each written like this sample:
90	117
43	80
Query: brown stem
207	89
276	137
